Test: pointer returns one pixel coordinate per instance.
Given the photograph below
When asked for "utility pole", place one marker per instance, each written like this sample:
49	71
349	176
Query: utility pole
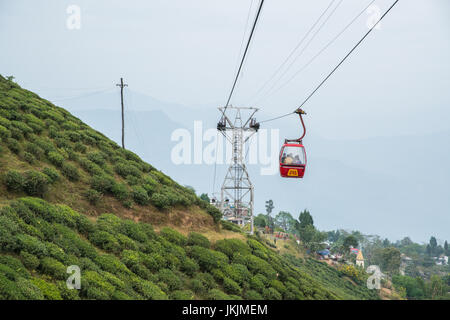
122	85
236	201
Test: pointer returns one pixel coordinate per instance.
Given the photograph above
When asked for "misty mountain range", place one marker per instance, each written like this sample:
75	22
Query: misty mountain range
373	185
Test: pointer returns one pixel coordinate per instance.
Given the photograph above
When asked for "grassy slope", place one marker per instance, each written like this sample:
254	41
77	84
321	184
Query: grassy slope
47	153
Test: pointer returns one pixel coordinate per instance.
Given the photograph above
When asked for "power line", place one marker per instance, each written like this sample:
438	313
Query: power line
82	95
295	49
245	53
348	54
338	65
245	32
320	52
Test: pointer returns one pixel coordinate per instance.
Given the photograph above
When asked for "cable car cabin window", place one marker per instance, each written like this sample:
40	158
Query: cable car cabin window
293	156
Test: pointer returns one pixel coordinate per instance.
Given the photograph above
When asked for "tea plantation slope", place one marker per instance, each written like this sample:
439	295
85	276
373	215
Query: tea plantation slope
48	153
123	259
57	179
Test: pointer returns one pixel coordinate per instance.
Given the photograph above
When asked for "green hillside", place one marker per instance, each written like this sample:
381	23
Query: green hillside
70	196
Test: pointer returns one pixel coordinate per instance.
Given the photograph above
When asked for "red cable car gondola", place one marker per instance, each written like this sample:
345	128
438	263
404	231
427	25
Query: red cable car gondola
293	155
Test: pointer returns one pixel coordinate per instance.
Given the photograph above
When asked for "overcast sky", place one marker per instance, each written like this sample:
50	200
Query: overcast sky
186	51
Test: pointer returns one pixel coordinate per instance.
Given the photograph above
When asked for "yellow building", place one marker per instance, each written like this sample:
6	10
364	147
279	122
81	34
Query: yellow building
360	259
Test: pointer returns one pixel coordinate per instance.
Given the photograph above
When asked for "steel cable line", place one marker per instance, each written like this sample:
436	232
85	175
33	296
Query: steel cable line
244	55
337	66
245	32
239	69
82	95
318	53
295	49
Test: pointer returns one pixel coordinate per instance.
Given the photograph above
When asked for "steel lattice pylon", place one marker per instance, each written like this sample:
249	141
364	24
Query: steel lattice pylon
236	201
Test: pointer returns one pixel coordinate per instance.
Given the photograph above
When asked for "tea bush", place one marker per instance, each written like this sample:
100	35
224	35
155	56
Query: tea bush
14	181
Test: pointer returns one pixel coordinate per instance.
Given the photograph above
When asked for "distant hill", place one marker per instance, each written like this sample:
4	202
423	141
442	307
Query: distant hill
71	196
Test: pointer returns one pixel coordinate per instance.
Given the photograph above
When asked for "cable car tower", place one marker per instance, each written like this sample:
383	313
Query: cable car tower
236	198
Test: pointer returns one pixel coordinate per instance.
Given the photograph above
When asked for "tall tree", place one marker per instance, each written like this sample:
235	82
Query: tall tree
349	241
204	197
446	248
260	220
388	259
269	207
406	241
284	220
305	219
429	250
433	244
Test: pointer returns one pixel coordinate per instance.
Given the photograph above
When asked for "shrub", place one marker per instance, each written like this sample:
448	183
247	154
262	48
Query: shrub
258	283
237	272
278	285
208	259
53	268
93	196
8	232
56	252
17	269
182	295
207	280
90	166
36	183
130	258
66	293
120	191
170	278
150	185
4	133
28	157
79	147
271	294
51	173
103	183
111	264
56	158
215	213
160	200
189	266
173	236
94	286
97	158
154	261
232	246
231	287
215	294
227	225
197	286
136	231
105	241
28	289
258	265
29	260
13	145
196	239
252	295
124	169
14	181
149	290
35	150
70	171
134	181
140	196
49	290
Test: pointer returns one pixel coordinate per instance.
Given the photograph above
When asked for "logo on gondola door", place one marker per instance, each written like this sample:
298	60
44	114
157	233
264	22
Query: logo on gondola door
293	173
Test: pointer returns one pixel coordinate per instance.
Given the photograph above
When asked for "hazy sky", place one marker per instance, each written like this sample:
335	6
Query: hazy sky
186	51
